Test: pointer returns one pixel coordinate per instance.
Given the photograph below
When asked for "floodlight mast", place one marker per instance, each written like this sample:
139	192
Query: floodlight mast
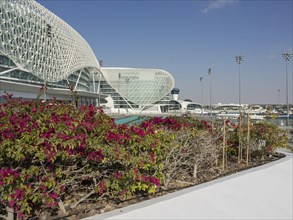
210	74
287	56
239	59
201	93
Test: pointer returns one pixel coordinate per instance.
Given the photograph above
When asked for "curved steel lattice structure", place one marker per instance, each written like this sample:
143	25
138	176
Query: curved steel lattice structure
37	47
140	86
39	42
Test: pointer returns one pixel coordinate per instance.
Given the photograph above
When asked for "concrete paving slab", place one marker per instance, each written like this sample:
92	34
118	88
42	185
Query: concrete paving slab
263	192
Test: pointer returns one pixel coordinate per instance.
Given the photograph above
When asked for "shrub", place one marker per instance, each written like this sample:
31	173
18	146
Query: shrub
51	151
267	137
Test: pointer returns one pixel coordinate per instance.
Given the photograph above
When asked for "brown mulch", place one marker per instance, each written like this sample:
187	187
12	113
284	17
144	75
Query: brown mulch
92	207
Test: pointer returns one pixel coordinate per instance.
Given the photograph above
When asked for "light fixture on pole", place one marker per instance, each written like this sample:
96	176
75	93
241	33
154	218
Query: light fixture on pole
287	56
201	94
210	74
239	59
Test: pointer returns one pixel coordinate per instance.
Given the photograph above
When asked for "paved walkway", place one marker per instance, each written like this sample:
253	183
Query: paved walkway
264	192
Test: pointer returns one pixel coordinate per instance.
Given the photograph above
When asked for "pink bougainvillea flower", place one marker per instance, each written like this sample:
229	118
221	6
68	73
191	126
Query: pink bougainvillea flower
143	178
153	157
154	180
118	175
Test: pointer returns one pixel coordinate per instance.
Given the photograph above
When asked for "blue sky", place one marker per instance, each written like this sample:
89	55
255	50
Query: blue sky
188	37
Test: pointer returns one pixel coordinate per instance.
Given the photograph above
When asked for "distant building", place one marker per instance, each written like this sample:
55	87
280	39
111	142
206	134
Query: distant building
175	93
134	88
39	50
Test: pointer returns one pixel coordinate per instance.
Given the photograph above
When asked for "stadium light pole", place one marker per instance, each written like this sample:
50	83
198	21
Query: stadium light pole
287	56
210	74
201	94
239	59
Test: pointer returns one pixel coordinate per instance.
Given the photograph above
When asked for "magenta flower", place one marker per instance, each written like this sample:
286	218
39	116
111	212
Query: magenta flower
91	110
63	136
18	195
154	180
68	123
153	157
12	203
96	156
20	215
53	195
118	175
16	175
143	178
62	188
102	187
27	176
34	110
2	114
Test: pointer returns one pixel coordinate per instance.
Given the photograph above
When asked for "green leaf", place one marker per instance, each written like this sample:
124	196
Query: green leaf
152	190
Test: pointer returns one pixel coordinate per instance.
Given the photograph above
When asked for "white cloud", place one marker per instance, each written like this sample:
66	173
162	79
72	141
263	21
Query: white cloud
217	4
272	56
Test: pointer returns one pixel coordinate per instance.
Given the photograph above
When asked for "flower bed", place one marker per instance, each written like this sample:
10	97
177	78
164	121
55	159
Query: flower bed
55	158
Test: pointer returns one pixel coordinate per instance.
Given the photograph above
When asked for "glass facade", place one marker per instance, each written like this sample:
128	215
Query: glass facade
37	48
39	42
139	87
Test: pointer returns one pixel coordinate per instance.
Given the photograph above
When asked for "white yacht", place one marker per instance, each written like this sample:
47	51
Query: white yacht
254	116
255	109
256	112
227	111
231	111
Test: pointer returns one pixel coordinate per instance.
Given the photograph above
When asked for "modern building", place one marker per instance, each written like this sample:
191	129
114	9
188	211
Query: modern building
135	89
175	93
42	56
